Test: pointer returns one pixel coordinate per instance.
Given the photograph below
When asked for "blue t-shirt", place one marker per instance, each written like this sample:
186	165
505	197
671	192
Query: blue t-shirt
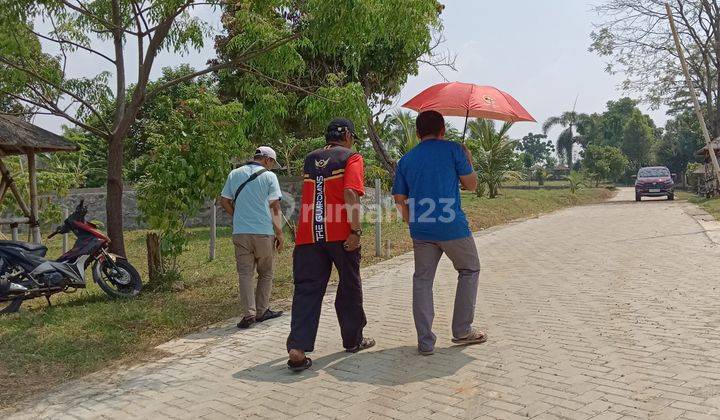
252	209
428	175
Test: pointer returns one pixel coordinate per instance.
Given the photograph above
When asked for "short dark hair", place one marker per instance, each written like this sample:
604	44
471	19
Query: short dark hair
429	123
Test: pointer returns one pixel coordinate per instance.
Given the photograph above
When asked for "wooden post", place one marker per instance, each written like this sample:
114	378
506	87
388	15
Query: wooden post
213	229
3	188
154	259
378	218
693	95
13	188
34	209
14	230
65	235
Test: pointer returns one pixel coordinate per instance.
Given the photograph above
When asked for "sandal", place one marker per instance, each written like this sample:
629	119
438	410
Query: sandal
475	337
269	314
299	367
365	343
246	322
422	352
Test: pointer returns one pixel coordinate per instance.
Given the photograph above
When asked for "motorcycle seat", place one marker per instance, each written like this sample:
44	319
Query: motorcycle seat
36	249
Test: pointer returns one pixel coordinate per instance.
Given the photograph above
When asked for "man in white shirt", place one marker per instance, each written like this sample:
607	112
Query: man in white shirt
252	197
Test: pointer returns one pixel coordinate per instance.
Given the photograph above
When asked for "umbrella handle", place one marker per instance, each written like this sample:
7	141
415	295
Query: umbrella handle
467	114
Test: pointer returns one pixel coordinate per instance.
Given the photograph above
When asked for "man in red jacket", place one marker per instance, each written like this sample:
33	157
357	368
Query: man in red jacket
329	234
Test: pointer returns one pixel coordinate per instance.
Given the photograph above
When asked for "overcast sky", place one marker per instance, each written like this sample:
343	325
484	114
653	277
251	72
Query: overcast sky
535	50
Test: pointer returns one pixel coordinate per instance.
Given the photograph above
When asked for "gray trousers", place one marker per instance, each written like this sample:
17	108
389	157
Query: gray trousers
463	254
254	253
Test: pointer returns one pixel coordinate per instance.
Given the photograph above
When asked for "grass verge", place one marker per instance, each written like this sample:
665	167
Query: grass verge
710	205
82	332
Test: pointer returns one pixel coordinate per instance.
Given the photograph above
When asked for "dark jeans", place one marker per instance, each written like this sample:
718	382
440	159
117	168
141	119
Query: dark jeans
312	265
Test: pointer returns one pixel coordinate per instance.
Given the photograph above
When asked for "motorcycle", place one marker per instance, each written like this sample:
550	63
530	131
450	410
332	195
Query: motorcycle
25	273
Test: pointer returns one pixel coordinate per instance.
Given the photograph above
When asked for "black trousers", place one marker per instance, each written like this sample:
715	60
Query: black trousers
312	265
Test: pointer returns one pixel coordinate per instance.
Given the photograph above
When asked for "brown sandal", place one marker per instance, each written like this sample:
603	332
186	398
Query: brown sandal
475	337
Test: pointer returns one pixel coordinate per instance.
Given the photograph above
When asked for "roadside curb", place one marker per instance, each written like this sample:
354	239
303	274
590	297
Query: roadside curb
706	221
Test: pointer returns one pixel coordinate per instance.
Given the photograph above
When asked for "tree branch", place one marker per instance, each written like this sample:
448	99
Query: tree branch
54	110
220	66
83	10
55	86
74	44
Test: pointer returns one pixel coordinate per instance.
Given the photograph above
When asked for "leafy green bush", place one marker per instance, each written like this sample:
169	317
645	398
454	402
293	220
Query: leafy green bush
190	154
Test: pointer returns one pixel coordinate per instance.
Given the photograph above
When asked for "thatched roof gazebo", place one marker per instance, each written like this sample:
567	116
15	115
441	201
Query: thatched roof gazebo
707	184
19	137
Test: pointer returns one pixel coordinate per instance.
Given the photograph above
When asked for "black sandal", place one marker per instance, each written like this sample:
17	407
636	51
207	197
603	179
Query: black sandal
365	344
269	315
299	367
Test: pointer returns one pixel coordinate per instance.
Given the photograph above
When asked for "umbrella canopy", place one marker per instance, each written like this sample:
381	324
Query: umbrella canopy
458	99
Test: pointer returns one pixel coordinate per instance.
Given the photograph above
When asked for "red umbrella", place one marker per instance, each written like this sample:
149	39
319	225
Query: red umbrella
458	99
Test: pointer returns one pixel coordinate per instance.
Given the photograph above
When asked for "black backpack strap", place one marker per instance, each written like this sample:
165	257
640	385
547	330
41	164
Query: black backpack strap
247	181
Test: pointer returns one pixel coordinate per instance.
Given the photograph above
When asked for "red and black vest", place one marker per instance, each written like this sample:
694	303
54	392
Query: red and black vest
323	216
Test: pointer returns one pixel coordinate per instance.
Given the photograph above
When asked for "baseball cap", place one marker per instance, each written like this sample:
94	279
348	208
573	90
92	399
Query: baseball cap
268	152
338	127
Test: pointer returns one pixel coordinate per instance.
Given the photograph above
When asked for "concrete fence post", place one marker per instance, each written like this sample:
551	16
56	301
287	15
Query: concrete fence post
14	231
65	235
378	218
213	229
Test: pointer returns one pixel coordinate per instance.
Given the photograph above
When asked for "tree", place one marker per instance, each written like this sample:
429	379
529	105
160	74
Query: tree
568	137
38	79
680	140
635	36
551	163
376	53
611	123
537	147
191	138
638	138
604	162
494	154
399	132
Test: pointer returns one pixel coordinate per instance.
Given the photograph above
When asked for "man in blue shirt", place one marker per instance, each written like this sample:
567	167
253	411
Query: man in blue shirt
427	195
252	197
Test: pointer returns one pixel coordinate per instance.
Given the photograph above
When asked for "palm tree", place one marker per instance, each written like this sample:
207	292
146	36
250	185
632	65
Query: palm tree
569	136
400	132
494	152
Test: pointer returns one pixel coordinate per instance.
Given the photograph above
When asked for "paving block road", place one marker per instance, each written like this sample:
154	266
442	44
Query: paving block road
606	311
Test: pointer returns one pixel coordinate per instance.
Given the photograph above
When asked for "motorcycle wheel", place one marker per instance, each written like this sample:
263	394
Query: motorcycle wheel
120	281
10	306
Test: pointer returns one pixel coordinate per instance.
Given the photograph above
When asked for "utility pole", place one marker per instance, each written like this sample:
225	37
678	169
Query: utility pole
696	103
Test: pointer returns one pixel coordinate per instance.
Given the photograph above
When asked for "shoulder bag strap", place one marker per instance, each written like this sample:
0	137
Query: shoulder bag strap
247	181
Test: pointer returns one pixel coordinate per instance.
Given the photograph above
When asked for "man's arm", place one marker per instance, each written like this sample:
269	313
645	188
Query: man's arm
469	182
276	215
227	205
352	205
401	202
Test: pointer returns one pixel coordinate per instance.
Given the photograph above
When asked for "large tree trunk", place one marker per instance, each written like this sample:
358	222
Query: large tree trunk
113	200
114	189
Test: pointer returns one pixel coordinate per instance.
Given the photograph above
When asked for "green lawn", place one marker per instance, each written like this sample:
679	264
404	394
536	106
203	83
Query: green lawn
82	332
534	183
710	205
